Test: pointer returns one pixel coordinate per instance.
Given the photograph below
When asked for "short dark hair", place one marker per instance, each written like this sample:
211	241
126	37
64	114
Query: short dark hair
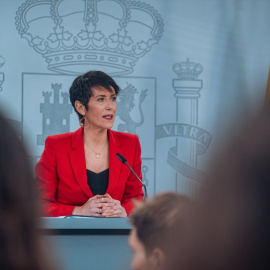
154	220
81	88
19	206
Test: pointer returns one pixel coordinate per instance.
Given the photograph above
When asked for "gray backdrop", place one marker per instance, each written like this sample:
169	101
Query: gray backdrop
187	68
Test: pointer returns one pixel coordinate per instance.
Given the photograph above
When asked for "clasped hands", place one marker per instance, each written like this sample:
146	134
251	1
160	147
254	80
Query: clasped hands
101	206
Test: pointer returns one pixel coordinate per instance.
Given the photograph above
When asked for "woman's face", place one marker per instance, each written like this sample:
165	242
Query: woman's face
101	109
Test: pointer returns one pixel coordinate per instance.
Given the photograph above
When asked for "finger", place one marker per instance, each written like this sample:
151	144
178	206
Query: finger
101	200
106	195
98	211
95	197
106	200
105	214
109	199
113	213
109	207
101	205
108	210
117	202
98	196
117	211
116	207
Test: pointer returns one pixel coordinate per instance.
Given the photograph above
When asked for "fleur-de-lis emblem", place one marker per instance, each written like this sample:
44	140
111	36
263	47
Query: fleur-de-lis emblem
91	33
59	34
121	37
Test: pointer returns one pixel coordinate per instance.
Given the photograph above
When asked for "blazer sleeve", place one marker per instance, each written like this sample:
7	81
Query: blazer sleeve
47	182
133	188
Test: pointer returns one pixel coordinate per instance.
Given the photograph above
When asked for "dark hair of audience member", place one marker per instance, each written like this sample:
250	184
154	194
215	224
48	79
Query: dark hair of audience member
231	227
155	219
19	207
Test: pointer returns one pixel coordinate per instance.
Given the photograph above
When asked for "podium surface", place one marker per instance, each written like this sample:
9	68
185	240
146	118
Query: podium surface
88	243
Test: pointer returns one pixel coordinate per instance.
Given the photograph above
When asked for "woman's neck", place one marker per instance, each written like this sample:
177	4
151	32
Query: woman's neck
95	136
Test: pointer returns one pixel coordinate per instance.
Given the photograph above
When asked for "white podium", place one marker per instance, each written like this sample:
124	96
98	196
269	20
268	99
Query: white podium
88	243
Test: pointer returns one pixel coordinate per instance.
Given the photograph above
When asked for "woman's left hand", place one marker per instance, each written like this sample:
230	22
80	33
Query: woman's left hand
117	210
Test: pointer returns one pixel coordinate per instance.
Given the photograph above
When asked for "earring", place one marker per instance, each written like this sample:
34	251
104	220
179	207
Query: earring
81	122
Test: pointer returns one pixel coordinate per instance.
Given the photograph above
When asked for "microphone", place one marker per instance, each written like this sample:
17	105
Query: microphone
123	160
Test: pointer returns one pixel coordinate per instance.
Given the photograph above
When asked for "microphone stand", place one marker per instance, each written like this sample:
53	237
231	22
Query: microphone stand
123	160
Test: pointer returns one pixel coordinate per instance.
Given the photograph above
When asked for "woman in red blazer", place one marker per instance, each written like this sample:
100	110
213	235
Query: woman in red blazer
79	172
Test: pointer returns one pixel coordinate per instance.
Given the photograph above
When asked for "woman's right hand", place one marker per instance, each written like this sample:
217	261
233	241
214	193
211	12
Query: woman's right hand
93	207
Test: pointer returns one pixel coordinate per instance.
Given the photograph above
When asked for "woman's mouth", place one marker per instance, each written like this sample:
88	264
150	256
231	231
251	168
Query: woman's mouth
108	116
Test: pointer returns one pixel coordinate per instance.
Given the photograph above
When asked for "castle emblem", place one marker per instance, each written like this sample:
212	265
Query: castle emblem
56	116
112	35
125	106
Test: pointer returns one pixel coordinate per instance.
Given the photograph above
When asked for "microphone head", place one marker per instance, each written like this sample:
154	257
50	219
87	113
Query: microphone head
122	159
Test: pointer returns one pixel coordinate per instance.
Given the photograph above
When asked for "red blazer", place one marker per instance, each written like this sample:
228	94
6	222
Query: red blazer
61	172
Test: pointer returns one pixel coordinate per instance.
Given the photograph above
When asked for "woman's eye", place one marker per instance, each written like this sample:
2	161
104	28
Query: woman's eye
113	99
101	99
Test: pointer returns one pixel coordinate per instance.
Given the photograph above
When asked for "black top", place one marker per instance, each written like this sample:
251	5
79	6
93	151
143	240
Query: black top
98	182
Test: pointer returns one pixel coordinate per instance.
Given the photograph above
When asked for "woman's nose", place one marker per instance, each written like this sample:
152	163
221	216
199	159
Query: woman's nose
109	105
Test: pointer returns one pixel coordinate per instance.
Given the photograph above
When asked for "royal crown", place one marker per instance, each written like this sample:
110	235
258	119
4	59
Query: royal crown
70	34
187	70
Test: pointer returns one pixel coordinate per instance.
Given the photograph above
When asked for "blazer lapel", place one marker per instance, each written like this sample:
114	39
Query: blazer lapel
115	164
78	163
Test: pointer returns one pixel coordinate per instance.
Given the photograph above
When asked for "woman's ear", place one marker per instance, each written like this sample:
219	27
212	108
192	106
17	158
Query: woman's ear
80	107
157	258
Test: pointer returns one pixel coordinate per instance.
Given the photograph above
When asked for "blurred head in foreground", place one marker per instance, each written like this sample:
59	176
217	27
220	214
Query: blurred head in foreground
153	223
19	206
231	227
